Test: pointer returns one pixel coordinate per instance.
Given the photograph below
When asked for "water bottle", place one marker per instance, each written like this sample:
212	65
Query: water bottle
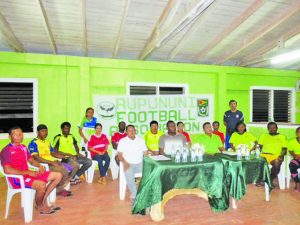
257	151
247	154
239	153
184	156
173	151
200	155
177	157
193	155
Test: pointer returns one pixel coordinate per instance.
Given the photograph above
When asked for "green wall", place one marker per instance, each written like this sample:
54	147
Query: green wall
66	84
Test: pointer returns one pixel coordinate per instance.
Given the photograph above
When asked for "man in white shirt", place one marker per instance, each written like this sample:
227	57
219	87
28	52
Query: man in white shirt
131	150
171	140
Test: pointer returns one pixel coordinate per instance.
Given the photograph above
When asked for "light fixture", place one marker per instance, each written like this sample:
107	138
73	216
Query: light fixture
286	57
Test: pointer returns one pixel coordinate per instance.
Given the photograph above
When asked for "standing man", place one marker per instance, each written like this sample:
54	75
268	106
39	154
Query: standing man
171	139
231	118
14	158
273	148
42	151
152	137
211	142
115	139
66	145
131	150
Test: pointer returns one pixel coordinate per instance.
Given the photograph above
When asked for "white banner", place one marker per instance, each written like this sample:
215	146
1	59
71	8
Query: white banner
192	110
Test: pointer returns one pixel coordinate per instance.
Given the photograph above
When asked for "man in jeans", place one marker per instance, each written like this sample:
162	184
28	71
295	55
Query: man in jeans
42	151
131	150
66	145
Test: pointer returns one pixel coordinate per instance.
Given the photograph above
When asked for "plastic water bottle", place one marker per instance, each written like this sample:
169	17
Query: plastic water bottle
177	157
257	151
238	153
193	155
184	156
247	155
173	151
200	155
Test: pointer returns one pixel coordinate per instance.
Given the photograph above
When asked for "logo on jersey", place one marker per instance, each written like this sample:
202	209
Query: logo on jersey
202	105
106	109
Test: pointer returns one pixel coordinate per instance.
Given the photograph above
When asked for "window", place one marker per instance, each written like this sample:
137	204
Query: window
272	104
18	104
136	88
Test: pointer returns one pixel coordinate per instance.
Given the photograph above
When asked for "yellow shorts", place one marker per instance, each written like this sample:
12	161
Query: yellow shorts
269	157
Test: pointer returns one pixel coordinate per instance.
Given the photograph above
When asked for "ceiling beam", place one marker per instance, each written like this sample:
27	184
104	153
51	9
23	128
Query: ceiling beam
84	29
47	26
161	36
9	35
234	25
192	29
260	53
120	33
290	11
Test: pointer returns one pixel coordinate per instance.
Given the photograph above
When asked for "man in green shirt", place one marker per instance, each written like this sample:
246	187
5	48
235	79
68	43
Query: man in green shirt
152	137
273	148
66	145
211	142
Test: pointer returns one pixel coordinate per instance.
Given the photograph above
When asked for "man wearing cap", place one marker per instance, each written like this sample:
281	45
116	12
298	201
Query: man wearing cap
42	151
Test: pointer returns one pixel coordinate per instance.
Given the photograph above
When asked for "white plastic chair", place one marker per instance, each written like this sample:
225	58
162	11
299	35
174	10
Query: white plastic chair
52	196
114	168
27	196
122	181
281	176
89	173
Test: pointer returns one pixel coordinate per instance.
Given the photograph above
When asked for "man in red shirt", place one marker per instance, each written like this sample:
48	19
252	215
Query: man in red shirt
98	145
14	158
216	131
116	137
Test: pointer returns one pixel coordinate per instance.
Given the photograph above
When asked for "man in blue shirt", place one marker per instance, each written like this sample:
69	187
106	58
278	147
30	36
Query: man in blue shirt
231	118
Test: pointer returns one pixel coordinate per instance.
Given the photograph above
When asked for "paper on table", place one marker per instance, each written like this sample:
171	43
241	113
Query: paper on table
159	157
229	153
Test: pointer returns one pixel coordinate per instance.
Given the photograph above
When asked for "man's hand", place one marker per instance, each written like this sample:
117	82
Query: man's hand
32	173
85	140
281	158
41	169
126	166
55	163
100	153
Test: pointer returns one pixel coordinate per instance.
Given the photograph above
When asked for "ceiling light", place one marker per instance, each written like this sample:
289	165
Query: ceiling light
286	57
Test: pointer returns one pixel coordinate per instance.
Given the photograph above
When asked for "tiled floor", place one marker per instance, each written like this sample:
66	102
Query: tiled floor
98	204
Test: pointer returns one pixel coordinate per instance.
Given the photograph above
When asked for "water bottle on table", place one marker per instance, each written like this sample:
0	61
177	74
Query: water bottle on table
239	153
177	157
257	151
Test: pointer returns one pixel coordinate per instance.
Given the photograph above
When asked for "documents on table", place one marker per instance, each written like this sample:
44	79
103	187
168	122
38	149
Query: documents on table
159	157
229	153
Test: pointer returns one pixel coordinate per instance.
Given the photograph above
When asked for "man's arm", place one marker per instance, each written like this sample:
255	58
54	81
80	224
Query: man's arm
36	164
39	159
125	163
283	152
82	135
9	170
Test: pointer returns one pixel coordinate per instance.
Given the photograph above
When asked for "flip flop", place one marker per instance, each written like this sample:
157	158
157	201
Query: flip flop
56	208
47	212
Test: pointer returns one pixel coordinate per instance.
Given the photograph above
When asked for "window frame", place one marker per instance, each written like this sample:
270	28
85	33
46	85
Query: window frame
272	89
157	85
34	103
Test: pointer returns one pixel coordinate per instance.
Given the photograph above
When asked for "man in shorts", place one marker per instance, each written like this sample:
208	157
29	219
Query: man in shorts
14	158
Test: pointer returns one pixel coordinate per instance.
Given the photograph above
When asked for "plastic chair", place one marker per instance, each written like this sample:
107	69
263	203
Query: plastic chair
114	168
89	173
27	196
52	196
281	176
122	181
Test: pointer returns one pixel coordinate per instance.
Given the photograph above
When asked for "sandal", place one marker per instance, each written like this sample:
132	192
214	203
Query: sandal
55	208
47	212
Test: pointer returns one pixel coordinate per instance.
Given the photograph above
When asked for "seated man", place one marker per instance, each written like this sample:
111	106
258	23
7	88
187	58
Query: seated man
216	126
131	150
14	158
294	149
66	145
211	142
171	139
273	148
42	151
115	138
152	137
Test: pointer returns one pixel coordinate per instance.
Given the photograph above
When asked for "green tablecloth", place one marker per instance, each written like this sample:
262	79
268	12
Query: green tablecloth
239	173
161	176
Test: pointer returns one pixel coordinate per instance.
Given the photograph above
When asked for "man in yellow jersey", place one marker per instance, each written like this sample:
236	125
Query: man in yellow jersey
152	137
294	149
212	142
274	146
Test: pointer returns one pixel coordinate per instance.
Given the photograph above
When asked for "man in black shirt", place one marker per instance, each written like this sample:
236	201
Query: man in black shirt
231	118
